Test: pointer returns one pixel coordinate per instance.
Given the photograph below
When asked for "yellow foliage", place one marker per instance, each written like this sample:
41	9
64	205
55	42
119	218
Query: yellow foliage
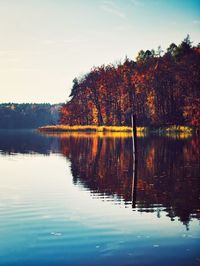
100	129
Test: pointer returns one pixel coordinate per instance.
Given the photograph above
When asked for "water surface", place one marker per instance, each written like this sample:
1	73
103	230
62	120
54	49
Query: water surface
73	199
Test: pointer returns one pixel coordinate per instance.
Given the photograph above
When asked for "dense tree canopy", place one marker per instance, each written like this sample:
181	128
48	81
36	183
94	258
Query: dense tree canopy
162	88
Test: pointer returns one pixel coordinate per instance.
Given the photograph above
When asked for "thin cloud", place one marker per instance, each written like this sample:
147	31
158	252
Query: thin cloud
173	23
137	2
196	21
112	8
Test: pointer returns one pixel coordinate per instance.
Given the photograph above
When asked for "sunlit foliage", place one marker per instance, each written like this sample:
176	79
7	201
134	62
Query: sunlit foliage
162	89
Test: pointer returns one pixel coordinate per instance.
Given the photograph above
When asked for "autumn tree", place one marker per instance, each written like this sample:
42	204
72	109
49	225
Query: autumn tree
161	89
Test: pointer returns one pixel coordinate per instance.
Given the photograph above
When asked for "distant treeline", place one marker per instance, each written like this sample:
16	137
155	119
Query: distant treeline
16	116
163	89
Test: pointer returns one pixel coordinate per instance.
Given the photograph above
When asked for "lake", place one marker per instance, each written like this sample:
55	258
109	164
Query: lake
80	199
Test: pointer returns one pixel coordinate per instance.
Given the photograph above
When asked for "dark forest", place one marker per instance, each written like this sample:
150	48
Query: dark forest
21	116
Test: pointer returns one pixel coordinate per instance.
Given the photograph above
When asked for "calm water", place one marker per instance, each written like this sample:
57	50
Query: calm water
72	199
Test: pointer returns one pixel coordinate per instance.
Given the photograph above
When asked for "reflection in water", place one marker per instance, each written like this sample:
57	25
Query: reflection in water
168	171
26	141
169	175
103	165
76	207
168	168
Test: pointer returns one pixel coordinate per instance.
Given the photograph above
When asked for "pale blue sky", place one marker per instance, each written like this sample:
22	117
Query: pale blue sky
44	44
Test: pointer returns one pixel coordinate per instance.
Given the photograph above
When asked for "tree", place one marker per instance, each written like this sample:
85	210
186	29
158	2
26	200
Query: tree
172	49
75	88
157	87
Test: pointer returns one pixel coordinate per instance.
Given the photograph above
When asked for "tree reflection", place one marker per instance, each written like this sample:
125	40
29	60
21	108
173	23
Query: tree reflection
167	171
27	141
168	168
100	165
170	176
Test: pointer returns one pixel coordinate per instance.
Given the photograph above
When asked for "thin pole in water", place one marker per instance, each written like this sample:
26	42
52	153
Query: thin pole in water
134	142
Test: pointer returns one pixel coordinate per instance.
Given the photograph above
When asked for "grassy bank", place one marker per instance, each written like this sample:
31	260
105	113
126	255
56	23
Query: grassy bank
64	128
63	131
89	128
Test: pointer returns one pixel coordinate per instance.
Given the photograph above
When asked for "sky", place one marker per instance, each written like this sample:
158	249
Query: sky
45	44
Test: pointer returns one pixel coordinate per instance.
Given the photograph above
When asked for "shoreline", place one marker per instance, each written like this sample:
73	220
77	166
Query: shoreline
65	128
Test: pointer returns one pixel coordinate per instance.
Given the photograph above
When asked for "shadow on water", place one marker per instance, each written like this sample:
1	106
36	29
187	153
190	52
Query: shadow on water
168	168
